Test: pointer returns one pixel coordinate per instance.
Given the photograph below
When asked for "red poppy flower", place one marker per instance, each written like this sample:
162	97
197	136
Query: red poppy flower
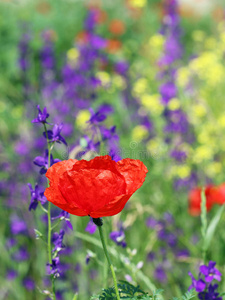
97	188
113	45
213	196
117	27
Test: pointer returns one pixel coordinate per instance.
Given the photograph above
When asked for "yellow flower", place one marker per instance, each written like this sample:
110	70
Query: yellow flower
156	148
139	133
73	54
82	117
199	110
174	104
210	43
181	171
202	153
140	86
221	121
104	77
152	103
156	41
182	77
213	169
198	35
118	81
138	3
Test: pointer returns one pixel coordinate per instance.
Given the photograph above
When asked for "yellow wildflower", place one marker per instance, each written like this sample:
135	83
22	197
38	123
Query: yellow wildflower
152	103
82	118
139	133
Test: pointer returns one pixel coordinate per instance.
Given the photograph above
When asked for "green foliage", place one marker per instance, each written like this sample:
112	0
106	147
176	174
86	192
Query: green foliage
126	291
187	296
131	292
212	227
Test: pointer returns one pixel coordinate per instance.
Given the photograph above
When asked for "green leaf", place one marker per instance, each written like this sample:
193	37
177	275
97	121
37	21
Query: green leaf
212	227
203	213
75	296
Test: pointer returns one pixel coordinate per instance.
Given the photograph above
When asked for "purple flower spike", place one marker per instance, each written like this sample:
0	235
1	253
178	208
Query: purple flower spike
36	196
43	162
204	286
57	240
54	134
42	116
53	268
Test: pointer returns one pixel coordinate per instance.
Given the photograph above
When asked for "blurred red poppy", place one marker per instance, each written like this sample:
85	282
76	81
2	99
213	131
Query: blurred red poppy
117	27
214	195
97	188
113	45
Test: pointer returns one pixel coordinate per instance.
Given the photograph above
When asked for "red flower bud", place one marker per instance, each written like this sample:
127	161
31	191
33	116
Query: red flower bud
97	188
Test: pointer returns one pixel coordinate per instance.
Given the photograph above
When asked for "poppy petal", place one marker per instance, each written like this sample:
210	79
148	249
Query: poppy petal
134	172
53	193
89	188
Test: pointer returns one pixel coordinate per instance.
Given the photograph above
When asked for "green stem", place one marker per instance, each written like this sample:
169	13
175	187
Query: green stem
109	261
49	218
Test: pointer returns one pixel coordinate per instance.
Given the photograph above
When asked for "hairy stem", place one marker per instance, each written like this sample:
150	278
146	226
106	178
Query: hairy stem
109	261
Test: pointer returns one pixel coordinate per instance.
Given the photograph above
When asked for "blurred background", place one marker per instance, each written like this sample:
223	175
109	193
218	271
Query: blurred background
136	78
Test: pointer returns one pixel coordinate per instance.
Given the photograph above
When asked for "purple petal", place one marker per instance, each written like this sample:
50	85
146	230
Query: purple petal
39	161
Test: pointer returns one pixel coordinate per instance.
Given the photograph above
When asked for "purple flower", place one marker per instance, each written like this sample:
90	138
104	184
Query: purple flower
64	215
203	285
151	256
43	162
17	225
160	274
42	116
101	114
91	227
182	253
152	222
210	272
54	134
168	91
46	53
21	254
89	23
178	155
122	67
54	267
29	283
97	42
24	50
57	240
11	274
118	237
36	196
211	293
199	285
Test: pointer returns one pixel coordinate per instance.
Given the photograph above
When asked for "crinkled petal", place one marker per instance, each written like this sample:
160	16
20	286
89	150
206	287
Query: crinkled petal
113	208
53	193
91	185
134	172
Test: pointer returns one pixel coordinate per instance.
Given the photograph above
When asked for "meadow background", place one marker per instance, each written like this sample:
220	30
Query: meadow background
151	74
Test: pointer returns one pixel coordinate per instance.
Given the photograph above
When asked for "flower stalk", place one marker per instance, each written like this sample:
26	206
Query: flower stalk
99	223
49	218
